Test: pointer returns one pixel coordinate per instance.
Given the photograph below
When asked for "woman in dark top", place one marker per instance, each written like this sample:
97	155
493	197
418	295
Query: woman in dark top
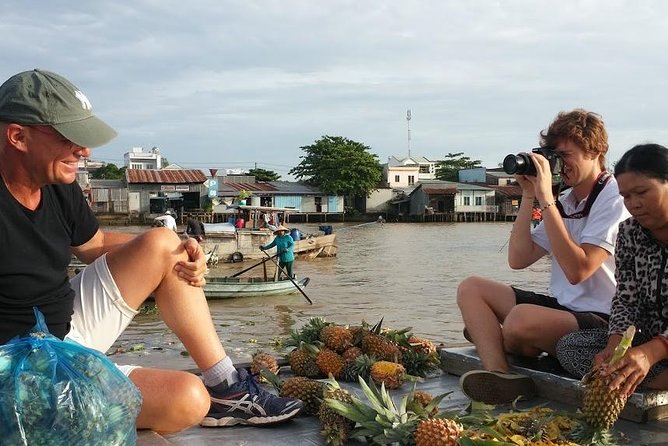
641	272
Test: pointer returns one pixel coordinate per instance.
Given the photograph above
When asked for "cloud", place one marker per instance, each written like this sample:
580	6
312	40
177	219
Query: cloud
231	83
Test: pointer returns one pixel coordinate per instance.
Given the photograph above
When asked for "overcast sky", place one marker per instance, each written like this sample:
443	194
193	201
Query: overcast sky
228	84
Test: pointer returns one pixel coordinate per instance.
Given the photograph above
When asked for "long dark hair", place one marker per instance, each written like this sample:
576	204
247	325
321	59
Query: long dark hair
650	160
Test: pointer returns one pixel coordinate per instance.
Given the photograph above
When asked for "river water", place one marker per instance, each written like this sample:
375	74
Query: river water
406	273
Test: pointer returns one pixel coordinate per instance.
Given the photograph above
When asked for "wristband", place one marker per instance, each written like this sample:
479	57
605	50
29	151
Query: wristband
547	206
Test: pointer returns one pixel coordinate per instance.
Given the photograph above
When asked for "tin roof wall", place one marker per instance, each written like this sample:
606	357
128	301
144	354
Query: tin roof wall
176	176
447	187
259	187
509	191
293	187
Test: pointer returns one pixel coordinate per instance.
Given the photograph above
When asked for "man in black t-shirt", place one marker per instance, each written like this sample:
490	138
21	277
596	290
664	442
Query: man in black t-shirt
195	229
46	127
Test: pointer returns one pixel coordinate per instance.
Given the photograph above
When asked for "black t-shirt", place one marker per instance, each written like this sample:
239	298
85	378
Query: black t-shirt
194	227
34	256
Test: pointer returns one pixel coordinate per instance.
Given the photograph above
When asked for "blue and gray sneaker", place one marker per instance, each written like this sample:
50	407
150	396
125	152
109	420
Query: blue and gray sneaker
245	402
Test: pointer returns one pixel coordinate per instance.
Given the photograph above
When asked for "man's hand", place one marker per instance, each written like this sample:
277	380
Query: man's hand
193	270
542	182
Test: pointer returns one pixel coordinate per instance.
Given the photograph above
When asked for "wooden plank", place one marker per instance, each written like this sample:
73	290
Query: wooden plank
640	407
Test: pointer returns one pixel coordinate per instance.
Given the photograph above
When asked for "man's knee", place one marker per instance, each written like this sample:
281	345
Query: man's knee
519	327
472	291
468	287
162	241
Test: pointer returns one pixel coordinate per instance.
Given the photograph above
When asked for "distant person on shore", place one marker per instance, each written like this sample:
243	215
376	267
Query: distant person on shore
578	230
46	127
195	229
284	248
641	299
536	216
167	220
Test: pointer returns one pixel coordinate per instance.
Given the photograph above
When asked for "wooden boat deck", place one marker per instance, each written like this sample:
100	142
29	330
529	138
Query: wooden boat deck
552	388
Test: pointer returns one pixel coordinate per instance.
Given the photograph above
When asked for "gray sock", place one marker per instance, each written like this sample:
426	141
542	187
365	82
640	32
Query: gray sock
222	372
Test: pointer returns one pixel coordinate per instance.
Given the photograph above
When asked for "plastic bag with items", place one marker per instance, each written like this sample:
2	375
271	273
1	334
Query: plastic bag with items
55	392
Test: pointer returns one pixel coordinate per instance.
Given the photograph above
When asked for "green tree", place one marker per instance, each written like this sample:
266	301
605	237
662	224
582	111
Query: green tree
108	172
264	175
339	166
448	169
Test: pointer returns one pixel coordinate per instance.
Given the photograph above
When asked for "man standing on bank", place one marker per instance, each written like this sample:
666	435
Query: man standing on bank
578	230
46	127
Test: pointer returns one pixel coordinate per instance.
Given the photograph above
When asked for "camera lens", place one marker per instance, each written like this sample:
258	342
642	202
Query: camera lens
513	164
519	164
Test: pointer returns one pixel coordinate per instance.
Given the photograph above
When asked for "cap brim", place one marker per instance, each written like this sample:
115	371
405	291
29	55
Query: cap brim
89	132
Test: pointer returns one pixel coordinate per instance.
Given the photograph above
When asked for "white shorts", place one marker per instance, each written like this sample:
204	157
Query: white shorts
100	313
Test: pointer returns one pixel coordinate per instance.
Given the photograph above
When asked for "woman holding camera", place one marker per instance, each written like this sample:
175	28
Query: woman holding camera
642	280
578	231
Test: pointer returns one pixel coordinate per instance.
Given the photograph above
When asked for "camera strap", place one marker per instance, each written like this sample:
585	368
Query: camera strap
601	181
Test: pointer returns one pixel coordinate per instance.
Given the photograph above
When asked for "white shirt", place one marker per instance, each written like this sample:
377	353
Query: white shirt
599	228
169	221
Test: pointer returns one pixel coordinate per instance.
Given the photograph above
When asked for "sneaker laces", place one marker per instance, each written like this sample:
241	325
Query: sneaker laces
253	387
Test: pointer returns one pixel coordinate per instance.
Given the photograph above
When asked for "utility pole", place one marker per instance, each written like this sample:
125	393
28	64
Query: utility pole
408	122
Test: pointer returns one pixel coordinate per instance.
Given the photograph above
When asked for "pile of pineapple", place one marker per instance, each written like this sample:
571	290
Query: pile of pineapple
382	359
387	356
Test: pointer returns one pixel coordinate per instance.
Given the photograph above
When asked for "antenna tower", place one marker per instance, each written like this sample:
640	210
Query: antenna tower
408	122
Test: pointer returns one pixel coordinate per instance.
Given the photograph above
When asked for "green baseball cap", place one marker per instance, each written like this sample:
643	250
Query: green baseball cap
40	97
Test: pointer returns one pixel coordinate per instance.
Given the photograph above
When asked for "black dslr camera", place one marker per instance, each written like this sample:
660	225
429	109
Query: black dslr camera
521	163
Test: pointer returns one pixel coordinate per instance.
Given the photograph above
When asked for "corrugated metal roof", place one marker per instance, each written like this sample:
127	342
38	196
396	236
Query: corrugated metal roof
183	176
251	187
292	187
510	191
439	190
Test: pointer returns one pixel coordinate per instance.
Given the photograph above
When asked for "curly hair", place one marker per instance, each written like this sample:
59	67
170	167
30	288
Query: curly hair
581	127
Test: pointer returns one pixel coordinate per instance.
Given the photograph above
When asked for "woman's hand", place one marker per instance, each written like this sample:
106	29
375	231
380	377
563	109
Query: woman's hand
627	373
194	269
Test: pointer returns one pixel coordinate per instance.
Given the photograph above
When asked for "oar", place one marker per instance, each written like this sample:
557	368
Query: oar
251	267
288	276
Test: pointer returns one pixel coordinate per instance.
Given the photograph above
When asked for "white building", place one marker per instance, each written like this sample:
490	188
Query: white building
136	158
405	172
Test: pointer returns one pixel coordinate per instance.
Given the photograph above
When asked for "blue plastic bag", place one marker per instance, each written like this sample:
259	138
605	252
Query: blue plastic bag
55	392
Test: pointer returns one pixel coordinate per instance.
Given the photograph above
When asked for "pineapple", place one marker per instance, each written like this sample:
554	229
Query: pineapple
360	366
335	428
380	347
391	374
262	360
336	337
381	421
420	400
302	363
351	354
422	345
309	333
308	390
329	362
437	432
420	363
601	406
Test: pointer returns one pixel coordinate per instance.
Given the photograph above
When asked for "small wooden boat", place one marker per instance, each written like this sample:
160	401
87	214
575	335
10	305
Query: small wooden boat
235	243
227	287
